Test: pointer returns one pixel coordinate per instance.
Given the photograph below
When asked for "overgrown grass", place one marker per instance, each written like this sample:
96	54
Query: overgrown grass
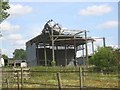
39	79
54	68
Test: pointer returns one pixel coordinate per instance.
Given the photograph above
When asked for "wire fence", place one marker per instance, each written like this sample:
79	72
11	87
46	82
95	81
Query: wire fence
78	78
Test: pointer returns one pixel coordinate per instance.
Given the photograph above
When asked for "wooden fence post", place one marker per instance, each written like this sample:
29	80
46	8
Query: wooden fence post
7	81
59	81
84	71
21	77
80	78
18	79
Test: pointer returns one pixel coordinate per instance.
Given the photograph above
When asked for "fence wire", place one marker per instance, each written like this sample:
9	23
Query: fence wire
79	78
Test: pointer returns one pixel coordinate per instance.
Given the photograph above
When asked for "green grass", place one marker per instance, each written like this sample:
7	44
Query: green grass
68	80
55	68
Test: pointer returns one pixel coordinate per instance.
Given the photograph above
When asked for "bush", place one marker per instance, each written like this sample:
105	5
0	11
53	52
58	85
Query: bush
104	59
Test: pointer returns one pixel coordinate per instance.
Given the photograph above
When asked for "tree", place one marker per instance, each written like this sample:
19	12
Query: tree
4	5
4	56
19	54
117	52
104	59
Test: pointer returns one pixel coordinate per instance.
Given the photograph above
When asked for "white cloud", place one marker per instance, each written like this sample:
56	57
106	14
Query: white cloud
8	52
36	30
21	42
108	24
6	26
17	10
96	10
11	38
15	41
14	37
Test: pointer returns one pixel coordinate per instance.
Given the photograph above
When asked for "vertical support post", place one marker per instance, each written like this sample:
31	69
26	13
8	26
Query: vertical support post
37	54
21	77
86	47
80	78
57	54
18	79
75	62
59	81
92	47
65	56
104	42
53	53
45	56
83	55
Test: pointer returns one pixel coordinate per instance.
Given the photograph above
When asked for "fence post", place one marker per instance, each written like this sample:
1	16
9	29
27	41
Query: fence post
80	78
21	77
18	79
59	81
7	81
84	70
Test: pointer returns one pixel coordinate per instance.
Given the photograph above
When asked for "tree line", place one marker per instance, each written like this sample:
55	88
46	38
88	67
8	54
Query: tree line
18	54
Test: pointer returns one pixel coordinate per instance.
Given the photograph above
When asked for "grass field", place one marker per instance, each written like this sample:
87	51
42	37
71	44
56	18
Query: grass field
45	77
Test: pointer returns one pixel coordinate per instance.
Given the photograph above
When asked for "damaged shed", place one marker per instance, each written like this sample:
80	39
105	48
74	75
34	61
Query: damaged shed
56	45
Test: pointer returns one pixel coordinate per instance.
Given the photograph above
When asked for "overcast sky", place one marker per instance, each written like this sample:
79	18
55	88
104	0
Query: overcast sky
27	19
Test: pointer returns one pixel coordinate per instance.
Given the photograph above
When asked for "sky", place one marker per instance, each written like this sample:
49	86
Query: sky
27	19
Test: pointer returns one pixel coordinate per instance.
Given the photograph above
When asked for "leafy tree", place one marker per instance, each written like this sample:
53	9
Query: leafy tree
104	59
4	5
117	52
4	56
19	54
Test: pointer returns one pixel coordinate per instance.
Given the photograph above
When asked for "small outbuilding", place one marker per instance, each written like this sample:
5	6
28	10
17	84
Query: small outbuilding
18	63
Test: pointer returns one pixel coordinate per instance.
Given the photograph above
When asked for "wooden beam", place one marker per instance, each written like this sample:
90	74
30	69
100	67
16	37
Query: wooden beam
70	39
65	55
86	47
104	42
92	47
45	56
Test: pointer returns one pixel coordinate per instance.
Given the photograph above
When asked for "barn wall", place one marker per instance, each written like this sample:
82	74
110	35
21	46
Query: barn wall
31	55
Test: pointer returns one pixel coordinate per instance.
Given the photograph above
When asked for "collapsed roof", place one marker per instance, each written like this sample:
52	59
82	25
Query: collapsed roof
60	36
